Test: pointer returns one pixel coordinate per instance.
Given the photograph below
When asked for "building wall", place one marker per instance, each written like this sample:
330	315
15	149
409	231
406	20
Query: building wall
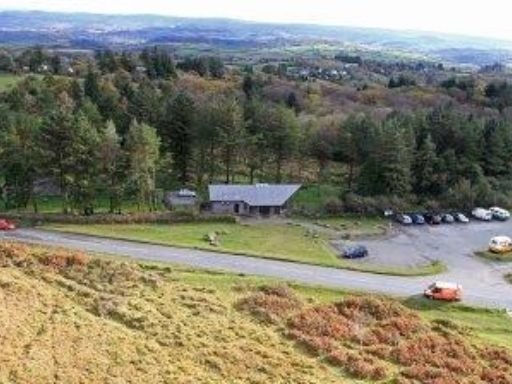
243	209
229	207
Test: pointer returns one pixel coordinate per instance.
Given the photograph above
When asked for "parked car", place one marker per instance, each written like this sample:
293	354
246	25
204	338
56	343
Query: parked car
433	218
500	244
354	251
403	219
417	219
6	225
499	213
460	217
482	214
441	290
447	218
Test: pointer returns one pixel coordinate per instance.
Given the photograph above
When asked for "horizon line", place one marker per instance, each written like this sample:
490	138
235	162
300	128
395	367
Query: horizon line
252	21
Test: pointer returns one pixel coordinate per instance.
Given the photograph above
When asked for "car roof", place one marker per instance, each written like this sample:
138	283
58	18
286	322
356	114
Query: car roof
446	285
501	238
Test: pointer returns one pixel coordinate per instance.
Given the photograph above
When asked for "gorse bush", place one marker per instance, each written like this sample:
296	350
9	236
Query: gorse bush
369	337
19	255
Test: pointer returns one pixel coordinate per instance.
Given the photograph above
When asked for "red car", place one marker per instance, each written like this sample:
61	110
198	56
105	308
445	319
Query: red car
6	225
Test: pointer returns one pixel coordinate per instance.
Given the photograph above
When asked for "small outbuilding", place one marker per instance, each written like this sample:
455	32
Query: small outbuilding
181	198
253	200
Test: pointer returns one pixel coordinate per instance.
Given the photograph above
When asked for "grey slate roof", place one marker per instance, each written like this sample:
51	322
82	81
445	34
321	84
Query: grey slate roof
255	195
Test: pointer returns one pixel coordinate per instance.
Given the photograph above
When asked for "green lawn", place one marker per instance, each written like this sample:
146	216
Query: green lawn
491	325
503	257
313	198
276	241
273	241
7	80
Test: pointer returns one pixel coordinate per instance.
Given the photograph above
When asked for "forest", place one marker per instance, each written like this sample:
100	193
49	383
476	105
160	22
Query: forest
128	125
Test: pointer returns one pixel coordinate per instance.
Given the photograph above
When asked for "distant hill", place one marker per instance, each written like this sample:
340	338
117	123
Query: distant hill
81	30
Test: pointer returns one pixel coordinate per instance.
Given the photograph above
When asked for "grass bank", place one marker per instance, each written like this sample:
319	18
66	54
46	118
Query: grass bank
101	319
488	255
273	241
8	80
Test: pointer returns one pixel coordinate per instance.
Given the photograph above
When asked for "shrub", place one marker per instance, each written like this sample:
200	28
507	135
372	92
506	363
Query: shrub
365	335
271	304
132	218
15	255
61	260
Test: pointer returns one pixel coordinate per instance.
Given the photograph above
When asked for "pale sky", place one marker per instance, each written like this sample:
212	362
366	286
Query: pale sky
490	18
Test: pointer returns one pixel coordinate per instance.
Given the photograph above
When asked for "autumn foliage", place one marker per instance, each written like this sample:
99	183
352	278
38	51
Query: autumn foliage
19	255
379	339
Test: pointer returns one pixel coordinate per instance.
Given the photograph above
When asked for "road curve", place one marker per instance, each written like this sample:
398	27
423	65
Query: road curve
489	291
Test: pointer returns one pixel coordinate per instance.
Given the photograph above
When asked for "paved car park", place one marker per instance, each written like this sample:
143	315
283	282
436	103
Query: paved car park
454	244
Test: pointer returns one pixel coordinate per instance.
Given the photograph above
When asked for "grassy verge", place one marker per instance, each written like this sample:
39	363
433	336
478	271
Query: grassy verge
355	226
272	241
7	80
102	319
488	255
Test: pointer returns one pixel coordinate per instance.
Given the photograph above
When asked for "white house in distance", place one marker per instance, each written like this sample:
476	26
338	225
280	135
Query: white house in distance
254	200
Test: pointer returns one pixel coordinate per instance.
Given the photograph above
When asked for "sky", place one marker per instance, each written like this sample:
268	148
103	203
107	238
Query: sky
489	18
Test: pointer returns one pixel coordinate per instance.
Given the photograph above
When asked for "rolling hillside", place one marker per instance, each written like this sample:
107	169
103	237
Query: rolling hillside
91	31
71	318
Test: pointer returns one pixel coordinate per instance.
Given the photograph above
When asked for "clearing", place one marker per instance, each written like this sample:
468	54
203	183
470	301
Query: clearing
7	80
100	319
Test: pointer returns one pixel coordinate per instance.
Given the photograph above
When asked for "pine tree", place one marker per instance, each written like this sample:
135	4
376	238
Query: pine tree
143	150
425	160
178	132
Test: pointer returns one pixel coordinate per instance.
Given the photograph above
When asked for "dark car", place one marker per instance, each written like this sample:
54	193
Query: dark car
403	219
417	219
447	218
354	251
433	218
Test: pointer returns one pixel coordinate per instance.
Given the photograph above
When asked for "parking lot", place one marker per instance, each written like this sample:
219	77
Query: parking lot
454	244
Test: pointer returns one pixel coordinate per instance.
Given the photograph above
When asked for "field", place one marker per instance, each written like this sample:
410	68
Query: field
280	241
8	80
69	318
290	242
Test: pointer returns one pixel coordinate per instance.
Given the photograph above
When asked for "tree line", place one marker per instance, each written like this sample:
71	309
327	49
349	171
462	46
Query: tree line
117	133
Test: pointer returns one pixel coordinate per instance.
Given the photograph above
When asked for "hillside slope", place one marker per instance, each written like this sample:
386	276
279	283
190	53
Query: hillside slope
69	318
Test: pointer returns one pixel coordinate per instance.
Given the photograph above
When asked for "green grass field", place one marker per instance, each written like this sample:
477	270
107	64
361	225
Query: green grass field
313	197
8	80
269	240
276	241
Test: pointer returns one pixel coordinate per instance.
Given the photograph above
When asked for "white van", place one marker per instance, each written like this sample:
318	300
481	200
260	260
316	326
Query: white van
500	213
500	244
482	214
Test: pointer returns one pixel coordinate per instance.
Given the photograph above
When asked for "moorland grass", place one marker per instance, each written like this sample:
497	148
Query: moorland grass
69	317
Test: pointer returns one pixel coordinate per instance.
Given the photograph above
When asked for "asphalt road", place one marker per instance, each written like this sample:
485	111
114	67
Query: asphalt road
483	282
